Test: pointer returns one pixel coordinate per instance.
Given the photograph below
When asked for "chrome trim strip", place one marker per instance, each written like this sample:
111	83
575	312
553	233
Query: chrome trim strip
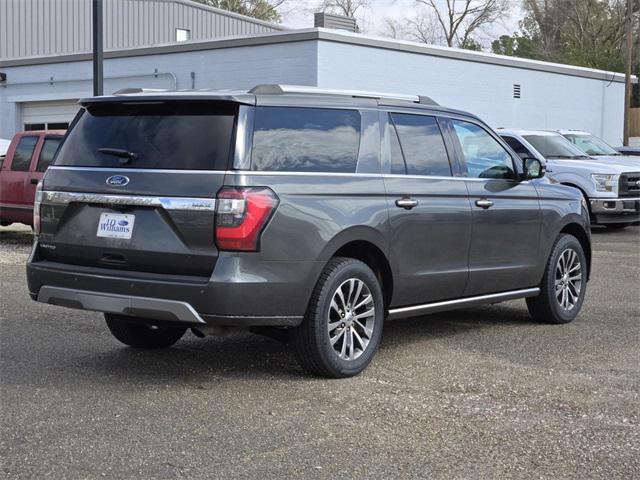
461	302
144	307
124	171
366	175
614	199
303	174
168	203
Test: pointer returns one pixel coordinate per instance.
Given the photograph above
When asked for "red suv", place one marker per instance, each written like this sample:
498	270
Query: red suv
29	155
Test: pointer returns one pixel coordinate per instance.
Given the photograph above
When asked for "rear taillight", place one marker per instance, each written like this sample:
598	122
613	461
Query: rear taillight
241	215
36	208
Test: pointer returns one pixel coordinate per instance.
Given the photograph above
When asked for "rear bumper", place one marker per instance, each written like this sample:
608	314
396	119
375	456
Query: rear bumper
156	308
615	210
240	292
152	308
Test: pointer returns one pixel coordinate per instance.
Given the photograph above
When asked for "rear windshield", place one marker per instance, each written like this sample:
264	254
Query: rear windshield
163	135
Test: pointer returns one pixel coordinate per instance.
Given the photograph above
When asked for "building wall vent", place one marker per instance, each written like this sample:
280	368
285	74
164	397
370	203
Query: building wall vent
516	90
183	34
337	22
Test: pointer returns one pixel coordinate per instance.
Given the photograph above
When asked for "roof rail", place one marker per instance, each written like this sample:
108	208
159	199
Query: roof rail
277	89
131	90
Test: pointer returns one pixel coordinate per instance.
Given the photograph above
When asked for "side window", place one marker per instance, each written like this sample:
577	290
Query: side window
49	148
306	139
422	145
484	157
24	152
518	147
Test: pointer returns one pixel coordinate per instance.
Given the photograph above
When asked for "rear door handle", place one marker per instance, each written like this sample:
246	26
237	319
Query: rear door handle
34	181
484	203
406	203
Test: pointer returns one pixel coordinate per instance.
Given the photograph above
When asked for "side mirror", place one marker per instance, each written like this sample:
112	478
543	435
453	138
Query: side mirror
533	168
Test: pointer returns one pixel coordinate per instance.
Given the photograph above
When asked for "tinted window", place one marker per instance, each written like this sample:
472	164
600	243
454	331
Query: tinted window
168	135
23	153
49	148
517	147
305	139
422	145
484	157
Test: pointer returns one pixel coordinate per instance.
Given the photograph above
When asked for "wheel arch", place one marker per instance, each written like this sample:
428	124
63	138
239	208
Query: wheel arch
582	190
578	231
369	246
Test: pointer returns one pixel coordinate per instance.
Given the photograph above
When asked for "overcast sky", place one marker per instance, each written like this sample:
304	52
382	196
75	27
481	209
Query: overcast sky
299	14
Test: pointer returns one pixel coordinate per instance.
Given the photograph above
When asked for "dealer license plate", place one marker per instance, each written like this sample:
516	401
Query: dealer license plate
116	225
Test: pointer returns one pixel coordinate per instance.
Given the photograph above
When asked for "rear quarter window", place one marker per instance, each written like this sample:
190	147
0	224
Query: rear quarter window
306	140
162	135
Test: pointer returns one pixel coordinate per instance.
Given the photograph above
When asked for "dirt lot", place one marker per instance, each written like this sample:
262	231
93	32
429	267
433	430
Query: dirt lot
477	393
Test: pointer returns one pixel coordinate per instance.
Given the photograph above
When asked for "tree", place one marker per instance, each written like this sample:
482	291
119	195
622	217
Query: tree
460	19
513	46
543	22
266	10
348	8
471	44
579	32
424	28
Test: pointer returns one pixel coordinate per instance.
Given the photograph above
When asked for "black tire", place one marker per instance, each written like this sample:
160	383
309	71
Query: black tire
616	226
311	340
546	307
139	334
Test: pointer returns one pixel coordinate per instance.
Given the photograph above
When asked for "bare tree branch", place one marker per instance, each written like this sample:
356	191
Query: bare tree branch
348	8
460	19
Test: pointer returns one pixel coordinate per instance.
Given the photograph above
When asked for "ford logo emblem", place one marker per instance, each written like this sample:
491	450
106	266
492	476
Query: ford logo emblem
117	180
123	223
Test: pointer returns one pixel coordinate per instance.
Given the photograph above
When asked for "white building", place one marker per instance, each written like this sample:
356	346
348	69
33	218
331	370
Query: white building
41	90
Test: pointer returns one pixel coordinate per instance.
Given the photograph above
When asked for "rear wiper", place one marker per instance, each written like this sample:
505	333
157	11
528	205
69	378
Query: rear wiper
125	155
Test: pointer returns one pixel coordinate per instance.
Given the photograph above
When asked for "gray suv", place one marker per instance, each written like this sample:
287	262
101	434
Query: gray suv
308	215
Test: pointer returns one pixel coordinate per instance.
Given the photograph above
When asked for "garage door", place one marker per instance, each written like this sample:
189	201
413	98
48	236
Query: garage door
48	115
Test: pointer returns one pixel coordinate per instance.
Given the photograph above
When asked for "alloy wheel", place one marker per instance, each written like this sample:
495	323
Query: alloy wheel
351	319
568	279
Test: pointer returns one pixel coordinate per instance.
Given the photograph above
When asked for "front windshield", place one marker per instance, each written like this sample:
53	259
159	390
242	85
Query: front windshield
554	146
590	145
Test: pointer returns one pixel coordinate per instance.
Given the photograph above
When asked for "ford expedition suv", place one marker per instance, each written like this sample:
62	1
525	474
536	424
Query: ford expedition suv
610	184
305	214
28	156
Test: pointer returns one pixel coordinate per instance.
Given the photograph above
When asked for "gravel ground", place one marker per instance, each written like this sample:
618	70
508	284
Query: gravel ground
476	393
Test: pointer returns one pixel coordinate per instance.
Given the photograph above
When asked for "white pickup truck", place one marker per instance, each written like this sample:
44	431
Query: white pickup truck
610	184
